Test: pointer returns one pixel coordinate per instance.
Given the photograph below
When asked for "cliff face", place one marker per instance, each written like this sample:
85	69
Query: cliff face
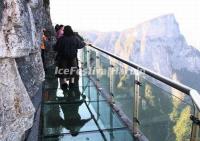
156	44
21	68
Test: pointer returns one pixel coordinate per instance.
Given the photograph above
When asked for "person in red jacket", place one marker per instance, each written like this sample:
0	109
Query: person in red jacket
43	46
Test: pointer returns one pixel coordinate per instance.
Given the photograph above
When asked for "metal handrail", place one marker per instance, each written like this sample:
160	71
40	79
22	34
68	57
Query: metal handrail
181	87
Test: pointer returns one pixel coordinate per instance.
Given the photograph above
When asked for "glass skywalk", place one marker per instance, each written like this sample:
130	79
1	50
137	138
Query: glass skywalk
117	101
79	114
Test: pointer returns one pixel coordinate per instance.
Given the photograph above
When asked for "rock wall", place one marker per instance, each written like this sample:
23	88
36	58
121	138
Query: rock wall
21	68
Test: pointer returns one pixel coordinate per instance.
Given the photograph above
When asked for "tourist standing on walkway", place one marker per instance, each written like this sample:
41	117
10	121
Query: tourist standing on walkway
60	32
57	27
43	46
67	63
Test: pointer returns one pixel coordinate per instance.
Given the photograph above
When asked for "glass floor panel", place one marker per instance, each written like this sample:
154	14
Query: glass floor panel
67	118
78	114
92	94
58	96
112	135
53	83
93	136
105	116
118	135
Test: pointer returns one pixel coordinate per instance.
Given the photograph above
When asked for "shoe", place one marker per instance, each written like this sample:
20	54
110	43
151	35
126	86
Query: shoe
84	97
64	86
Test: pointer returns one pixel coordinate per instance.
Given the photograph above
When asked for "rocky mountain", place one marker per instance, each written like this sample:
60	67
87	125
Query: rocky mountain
157	45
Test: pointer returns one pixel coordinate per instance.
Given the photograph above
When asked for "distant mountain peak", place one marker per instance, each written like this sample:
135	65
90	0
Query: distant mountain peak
162	26
156	44
167	17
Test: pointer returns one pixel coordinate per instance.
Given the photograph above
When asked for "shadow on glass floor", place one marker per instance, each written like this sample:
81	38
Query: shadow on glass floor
79	113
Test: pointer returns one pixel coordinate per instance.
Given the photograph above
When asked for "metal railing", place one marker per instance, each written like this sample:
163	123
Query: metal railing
183	88
192	93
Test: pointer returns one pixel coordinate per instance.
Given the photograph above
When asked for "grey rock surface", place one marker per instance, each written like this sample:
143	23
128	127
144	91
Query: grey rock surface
17	25
1	10
16	107
21	68
31	72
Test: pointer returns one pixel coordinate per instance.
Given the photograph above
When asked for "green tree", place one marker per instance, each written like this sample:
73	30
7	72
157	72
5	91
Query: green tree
183	125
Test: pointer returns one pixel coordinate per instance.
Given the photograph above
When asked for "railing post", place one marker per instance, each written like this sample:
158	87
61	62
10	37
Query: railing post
111	88
196	128
84	55
136	99
88	59
88	69
84	61
111	73
97	64
111	125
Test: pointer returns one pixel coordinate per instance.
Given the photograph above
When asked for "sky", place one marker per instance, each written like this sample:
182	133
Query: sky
117	15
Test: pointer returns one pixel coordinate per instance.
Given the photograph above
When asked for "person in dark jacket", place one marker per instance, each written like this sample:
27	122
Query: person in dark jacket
57	27
67	63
